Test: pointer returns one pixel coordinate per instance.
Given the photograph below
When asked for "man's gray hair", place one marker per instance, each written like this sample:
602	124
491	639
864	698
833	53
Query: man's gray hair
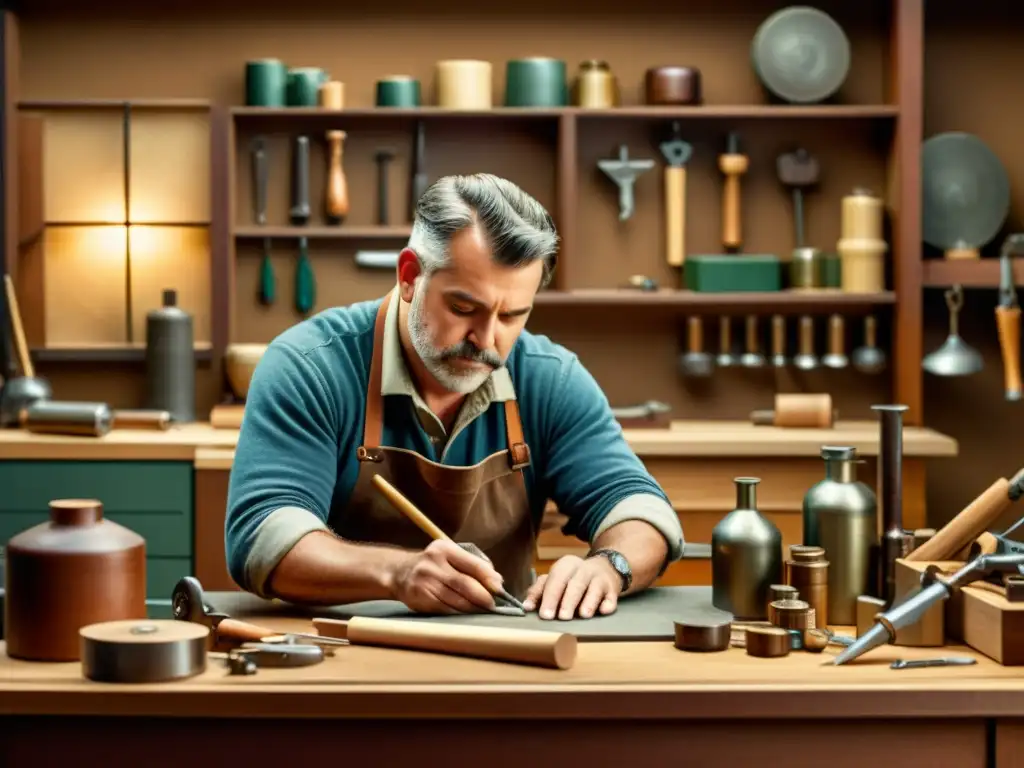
517	227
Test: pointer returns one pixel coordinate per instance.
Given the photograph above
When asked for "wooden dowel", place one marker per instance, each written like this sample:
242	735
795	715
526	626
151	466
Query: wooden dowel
555	650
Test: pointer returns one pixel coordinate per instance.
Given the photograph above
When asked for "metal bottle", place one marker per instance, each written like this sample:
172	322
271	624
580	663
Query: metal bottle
746	556
170	360
839	515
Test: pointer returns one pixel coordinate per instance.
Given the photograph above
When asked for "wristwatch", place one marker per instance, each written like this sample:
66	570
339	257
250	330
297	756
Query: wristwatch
619	563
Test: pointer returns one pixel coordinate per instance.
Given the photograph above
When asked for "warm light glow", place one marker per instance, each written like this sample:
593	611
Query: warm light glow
107	243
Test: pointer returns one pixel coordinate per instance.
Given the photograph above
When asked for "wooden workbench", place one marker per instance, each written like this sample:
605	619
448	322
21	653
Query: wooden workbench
694	461
621	702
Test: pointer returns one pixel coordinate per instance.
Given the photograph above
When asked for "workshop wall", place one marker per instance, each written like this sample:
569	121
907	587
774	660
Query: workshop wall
188	49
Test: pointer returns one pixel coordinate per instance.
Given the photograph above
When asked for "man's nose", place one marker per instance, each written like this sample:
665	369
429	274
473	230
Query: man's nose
483	334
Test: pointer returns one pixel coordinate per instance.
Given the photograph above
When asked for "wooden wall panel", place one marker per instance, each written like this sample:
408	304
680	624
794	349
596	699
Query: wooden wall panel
171	257
170	167
83	167
84	292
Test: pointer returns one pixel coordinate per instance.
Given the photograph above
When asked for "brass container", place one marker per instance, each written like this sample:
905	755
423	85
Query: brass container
596	86
77	569
806	269
807	570
791	614
839	515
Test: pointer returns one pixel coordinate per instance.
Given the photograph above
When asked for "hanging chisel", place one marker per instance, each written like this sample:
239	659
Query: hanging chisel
1008	317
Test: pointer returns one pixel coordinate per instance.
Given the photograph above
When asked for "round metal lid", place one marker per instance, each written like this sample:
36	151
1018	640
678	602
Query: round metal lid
965	191
801	54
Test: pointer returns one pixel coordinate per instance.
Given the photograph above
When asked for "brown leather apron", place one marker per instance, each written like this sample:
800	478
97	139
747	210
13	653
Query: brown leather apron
485	504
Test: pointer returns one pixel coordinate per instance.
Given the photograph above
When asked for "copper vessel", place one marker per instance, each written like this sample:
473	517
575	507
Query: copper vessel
77	569
672	86
596	86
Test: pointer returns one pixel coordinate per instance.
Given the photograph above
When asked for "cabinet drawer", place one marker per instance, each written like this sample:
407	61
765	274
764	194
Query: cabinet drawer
152	498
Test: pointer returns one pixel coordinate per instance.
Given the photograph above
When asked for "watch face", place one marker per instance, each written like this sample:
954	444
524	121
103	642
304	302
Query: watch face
618	562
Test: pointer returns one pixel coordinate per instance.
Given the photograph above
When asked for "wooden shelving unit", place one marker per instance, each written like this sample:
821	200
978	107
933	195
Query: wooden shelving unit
890	124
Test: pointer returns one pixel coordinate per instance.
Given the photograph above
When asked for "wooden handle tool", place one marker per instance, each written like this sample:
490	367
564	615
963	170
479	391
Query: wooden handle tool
733	165
336	195
675	214
424	523
234	630
227	416
555	650
158	420
974	520
28	370
1008	326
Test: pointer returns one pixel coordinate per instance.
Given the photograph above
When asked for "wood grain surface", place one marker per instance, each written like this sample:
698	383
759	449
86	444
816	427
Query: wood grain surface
705	439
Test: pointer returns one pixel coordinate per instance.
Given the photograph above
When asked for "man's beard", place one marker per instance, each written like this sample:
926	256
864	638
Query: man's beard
439	361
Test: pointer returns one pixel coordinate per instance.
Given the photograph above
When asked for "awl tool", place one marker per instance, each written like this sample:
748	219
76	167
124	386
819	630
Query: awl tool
677	154
1008	317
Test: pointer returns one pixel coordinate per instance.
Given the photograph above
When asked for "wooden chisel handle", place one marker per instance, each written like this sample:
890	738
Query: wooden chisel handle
976	518
556	650
1008	326
675	214
241	631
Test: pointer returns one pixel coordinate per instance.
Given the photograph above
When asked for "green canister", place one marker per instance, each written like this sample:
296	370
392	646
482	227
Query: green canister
536	82
266	83
831	270
398	91
304	86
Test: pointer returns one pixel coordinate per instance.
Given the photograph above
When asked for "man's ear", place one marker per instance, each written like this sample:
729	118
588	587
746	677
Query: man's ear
409	268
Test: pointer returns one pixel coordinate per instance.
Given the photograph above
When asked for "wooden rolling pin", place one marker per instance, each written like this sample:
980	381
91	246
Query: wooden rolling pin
227	416
555	650
974	520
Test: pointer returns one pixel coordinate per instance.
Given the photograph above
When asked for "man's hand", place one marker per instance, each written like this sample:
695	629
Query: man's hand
575	585
445	578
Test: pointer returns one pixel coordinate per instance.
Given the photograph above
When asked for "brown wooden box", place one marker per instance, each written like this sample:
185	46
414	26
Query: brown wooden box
981	617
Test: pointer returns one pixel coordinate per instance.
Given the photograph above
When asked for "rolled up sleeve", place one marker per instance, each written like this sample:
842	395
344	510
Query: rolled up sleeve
285	467
591	472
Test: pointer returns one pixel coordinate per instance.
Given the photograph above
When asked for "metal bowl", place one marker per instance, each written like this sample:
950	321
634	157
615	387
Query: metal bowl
801	54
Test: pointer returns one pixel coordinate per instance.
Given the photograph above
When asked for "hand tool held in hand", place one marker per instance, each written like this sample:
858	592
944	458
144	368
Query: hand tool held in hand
556	650
425	524
1008	317
677	153
974	520
187	604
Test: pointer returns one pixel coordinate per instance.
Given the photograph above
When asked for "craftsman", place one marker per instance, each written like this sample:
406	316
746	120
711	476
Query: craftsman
440	390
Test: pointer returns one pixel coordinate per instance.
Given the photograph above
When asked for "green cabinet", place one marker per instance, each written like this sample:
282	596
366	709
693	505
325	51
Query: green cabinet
152	498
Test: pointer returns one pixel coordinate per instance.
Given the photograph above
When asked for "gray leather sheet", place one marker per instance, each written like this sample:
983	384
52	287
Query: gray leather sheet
648	615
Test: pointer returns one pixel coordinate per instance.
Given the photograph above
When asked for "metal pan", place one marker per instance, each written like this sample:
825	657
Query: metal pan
801	54
965	193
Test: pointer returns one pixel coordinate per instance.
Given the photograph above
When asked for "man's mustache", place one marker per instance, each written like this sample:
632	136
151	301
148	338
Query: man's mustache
467	350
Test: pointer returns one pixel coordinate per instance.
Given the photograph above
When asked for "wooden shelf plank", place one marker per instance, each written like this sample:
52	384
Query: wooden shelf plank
168	104
980	273
103	353
733	111
372	232
785	302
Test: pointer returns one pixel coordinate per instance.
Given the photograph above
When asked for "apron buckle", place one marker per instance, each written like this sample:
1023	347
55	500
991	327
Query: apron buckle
375	455
519	455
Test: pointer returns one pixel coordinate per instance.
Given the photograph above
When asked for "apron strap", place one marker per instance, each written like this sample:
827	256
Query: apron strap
373	419
518	450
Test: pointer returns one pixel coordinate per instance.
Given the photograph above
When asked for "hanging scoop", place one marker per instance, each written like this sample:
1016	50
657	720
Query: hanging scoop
955	357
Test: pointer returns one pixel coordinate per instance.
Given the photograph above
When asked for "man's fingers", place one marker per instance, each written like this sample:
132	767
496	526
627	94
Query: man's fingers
469	588
559	575
534	592
609	604
469	564
574	592
452	600
596	593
